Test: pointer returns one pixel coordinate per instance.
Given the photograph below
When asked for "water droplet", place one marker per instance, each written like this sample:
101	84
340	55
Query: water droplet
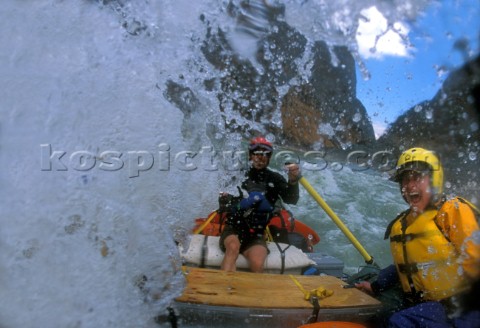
472	156
417	108
441	70
357	117
429	114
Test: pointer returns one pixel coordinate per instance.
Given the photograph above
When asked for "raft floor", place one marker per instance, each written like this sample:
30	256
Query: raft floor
267	291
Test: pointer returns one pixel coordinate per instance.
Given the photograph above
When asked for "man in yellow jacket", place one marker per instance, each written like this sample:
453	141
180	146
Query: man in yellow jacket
435	246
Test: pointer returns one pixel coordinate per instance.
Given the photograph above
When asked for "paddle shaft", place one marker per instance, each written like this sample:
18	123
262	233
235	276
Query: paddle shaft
207	221
336	219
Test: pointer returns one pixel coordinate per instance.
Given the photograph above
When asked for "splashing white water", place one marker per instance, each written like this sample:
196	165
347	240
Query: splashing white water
90	209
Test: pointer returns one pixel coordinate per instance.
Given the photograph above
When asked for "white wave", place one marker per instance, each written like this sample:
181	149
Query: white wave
93	247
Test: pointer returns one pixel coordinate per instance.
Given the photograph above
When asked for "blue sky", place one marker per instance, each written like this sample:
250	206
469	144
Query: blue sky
403	75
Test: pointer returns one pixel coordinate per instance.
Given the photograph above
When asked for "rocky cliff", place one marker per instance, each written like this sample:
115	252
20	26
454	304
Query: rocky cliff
302	93
449	124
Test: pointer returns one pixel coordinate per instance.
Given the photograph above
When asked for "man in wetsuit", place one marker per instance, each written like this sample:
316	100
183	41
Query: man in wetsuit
248	218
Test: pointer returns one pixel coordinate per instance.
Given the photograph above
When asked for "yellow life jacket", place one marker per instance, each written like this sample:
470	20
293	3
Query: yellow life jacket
427	262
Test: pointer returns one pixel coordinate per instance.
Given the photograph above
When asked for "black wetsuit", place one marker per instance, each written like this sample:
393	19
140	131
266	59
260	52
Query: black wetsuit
250	225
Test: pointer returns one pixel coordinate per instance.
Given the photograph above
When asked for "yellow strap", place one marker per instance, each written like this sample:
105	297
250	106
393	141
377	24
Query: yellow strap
269	234
320	292
210	218
299	285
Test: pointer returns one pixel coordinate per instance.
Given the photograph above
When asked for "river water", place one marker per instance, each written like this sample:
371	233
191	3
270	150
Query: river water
95	182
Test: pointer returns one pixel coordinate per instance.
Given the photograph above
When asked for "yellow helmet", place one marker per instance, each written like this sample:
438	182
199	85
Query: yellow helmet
419	159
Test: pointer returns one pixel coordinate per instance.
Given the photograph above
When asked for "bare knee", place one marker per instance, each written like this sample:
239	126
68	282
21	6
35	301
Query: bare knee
232	250
256	256
256	265
232	245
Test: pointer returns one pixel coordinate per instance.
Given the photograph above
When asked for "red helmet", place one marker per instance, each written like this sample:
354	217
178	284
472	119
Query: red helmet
260	142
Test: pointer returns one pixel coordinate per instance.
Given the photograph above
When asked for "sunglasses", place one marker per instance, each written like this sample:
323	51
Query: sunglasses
264	153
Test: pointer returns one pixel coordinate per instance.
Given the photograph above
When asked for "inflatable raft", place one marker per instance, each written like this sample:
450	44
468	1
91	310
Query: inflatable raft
286	295
283	227
204	251
214	298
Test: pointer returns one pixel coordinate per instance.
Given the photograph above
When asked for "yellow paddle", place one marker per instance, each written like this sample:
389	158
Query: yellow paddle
336	219
204	224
